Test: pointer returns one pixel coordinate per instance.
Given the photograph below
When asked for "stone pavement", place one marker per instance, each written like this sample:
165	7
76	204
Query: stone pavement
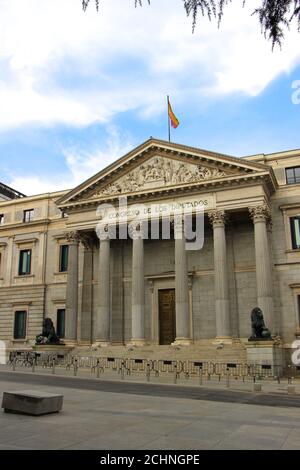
97	419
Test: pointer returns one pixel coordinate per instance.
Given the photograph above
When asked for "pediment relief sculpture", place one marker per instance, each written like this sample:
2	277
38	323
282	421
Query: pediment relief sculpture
160	172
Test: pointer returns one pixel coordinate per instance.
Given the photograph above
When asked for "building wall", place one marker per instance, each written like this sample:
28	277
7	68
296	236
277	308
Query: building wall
45	290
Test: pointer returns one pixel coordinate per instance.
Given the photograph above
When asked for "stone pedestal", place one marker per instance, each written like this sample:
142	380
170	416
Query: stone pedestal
59	349
264	353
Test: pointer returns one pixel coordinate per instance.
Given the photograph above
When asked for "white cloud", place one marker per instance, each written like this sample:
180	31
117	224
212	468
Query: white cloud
81	164
38	39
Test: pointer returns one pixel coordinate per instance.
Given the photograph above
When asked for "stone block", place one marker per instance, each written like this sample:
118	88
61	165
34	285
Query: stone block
32	402
291	389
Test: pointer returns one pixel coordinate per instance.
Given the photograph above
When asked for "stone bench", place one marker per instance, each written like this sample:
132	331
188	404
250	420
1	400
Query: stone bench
31	402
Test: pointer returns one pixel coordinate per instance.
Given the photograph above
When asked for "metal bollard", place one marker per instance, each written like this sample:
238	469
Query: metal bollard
98	369
53	366
200	376
33	365
257	387
148	372
291	389
122	370
75	367
14	363
227	379
175	374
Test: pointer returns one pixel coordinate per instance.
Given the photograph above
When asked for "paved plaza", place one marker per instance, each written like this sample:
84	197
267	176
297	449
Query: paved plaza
121	415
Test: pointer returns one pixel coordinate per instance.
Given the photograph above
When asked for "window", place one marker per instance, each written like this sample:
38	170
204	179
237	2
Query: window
25	262
292	175
295	232
28	215
20	325
60	322
1	219
63	258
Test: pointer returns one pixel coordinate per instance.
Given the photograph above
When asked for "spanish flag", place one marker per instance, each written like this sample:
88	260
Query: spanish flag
173	119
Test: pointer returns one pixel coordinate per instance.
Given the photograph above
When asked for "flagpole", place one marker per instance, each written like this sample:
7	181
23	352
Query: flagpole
169	127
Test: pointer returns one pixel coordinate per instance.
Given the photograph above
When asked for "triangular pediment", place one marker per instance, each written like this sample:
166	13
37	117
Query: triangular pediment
159	172
159	166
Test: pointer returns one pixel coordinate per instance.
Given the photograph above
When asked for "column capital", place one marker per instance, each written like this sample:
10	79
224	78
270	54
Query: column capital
217	218
87	241
73	237
137	231
261	213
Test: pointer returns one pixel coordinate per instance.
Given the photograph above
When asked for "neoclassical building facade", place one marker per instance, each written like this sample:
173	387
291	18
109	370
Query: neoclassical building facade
153	290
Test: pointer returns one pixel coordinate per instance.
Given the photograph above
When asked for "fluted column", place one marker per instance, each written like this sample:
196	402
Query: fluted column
72	289
87	288
183	334
261	217
103	309
138	289
223	329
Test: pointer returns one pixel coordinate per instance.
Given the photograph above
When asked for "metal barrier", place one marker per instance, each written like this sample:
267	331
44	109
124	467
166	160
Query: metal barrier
176	369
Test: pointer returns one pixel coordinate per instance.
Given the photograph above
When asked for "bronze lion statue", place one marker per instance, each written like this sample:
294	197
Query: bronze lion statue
48	335
259	329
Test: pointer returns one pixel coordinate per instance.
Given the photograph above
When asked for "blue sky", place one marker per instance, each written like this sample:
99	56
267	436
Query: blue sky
79	90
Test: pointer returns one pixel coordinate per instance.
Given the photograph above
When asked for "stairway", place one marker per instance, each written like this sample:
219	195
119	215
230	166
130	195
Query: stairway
205	350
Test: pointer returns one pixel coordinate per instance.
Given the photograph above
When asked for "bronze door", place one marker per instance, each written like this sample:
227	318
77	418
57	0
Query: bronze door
166	302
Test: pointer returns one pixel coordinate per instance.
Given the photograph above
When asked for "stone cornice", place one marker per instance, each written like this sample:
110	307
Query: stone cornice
209	185
24	241
9	226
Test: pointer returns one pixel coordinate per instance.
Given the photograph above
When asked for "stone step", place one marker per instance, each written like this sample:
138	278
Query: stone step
206	351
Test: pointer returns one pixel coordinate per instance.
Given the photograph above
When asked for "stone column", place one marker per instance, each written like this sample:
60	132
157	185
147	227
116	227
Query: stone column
261	217
72	289
138	289
103	309
183	333
87	292
223	329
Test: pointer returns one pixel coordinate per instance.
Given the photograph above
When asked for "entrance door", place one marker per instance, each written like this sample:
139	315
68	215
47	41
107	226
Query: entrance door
166	302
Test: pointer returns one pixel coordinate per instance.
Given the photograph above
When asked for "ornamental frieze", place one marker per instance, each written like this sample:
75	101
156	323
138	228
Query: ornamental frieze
160	172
